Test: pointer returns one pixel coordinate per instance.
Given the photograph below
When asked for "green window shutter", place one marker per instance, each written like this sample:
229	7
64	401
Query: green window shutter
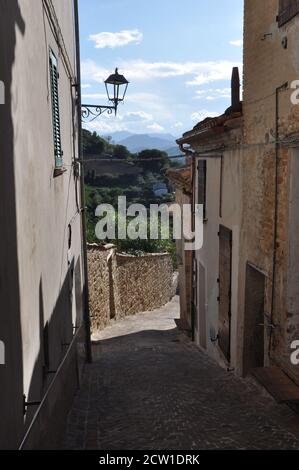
55	110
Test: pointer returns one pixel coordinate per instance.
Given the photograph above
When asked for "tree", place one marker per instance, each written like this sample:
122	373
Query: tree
153	160
120	151
93	144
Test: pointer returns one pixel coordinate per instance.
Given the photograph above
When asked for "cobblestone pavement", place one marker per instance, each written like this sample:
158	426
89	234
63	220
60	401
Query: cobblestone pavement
151	388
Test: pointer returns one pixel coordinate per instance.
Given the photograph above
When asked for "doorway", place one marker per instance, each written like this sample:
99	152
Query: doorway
225	279
201	305
253	349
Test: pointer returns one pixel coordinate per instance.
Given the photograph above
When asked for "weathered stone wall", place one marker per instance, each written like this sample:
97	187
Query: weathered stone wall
184	259
141	283
267	104
99	289
122	285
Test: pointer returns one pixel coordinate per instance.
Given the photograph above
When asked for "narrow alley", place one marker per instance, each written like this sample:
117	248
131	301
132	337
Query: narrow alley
149	387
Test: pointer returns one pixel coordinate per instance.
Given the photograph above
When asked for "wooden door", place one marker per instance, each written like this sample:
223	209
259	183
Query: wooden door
225	275
201	307
253	350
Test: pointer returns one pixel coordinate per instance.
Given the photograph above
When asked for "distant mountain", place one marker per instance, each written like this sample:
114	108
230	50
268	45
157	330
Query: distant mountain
118	136
168	137
137	142
174	151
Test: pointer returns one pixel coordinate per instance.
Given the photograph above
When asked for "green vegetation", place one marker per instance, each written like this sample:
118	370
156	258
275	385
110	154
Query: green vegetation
93	144
112	172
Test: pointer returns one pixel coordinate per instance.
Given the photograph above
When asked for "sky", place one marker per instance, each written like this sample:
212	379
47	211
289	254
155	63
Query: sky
177	55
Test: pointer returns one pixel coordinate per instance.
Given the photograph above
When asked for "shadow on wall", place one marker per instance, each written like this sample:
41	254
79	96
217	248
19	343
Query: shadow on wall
11	374
58	332
55	339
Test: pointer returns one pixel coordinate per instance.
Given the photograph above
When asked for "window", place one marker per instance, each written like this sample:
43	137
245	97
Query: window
202	185
287	10
55	111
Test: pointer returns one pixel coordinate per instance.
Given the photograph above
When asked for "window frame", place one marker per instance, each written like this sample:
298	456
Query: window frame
55	108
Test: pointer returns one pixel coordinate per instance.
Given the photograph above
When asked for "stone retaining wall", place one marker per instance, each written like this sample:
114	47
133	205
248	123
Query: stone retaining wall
122	284
99	288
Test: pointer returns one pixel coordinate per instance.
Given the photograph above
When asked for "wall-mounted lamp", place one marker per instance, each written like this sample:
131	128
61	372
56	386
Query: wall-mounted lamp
116	88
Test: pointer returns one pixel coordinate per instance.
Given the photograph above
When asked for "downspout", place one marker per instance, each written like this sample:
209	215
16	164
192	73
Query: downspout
82	186
274	270
194	271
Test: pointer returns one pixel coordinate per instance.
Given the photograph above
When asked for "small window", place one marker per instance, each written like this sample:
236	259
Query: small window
287	10
55	110
202	185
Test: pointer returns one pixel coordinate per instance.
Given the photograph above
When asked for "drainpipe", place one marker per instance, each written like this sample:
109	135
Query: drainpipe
191	155
274	270
82	186
194	271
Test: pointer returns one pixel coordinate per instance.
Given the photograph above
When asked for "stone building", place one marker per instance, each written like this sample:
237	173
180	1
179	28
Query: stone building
42	259
245	173
181	180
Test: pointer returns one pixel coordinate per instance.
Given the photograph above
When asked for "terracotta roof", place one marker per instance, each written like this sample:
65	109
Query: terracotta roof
181	177
215	125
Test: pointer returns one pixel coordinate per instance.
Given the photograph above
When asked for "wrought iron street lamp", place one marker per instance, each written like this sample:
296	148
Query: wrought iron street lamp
116	88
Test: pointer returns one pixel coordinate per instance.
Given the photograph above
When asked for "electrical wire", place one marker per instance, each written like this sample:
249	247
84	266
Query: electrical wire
51	13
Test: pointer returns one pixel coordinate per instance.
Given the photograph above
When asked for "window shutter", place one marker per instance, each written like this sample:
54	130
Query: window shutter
287	10
202	183
55	110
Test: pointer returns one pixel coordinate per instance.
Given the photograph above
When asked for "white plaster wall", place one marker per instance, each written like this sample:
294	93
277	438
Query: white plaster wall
208	256
45	205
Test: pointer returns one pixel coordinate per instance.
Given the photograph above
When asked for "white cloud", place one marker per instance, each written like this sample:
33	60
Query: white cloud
150	103
91	71
177	125
238	42
202	72
108	125
203	114
133	121
210	72
155	127
212	94
95	96
103	126
137	116
122	38
85	85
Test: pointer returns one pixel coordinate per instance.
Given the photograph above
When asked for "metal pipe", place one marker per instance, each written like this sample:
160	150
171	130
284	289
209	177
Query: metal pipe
194	271
83	212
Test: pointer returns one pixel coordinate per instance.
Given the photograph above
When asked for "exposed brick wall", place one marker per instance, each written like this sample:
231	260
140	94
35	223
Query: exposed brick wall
122	285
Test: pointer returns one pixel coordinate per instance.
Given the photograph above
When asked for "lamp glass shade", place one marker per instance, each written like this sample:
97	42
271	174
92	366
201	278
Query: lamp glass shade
116	87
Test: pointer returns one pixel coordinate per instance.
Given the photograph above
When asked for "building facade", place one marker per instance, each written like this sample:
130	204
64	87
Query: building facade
181	181
269	238
42	269
245	173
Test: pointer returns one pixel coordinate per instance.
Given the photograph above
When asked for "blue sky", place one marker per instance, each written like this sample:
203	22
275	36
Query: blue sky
177	55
